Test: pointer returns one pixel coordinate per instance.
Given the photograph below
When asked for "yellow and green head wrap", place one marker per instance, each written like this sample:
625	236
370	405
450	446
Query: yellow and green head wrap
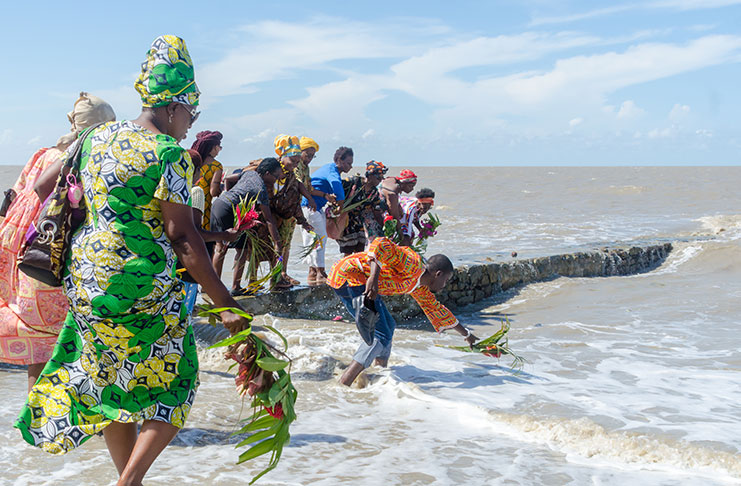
167	74
307	142
286	145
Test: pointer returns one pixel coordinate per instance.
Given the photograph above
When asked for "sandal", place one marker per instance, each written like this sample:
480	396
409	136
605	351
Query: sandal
283	285
238	292
291	279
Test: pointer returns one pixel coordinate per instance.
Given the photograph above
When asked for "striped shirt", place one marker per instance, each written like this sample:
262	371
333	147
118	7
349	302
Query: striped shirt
401	269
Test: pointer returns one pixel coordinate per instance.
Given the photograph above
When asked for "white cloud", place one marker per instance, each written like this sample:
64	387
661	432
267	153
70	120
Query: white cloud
629	110
268	133
368	134
575	122
280	50
679	113
35	140
661	4
662	133
702	132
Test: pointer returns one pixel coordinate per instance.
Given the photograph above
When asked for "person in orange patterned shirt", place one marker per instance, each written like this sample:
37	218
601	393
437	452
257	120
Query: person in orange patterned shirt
389	269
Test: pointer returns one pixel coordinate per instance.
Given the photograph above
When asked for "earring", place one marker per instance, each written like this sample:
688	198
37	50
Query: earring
169	119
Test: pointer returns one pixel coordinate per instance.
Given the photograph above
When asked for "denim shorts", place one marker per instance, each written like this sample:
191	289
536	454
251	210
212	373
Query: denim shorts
384	335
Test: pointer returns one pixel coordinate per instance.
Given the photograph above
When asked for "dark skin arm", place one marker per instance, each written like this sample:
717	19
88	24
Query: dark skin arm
272	227
215	187
190	249
392	200
47	180
371	285
230	180
229	235
307	194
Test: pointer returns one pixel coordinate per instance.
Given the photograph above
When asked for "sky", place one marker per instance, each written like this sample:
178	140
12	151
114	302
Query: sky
465	83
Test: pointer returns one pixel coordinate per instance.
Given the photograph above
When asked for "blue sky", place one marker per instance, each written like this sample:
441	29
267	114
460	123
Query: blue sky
655	82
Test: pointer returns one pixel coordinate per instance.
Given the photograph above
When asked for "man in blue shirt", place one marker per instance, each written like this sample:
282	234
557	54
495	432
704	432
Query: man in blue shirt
327	181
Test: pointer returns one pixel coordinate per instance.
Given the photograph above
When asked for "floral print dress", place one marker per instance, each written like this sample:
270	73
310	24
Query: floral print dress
126	352
207	173
31	312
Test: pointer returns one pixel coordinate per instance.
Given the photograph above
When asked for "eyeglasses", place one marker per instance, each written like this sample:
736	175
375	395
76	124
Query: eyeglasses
193	113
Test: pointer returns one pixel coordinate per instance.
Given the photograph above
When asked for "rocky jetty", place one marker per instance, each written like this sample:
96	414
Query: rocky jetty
473	283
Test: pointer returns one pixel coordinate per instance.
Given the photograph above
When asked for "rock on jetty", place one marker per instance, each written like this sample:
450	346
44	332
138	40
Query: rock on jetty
472	283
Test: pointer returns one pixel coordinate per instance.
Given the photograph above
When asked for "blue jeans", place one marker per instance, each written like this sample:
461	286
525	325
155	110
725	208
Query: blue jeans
384	334
191	295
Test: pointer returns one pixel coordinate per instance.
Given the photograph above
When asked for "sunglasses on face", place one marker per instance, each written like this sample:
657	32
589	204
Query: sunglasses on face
194	114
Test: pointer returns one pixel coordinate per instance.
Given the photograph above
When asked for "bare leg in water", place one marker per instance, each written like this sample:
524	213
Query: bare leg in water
133	455
34	370
352	371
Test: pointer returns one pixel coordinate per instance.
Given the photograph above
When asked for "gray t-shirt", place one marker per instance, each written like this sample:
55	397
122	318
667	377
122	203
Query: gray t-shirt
249	185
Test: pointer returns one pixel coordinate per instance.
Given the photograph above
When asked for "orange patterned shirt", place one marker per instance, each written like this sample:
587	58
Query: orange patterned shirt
401	269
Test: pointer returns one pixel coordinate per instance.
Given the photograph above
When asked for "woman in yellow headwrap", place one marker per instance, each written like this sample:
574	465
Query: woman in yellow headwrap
127	353
286	202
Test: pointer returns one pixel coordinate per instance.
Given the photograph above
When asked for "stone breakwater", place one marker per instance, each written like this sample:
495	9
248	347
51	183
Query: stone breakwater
470	283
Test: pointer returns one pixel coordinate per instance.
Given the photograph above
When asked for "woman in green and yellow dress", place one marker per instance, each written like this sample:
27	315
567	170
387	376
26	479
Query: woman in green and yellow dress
126	352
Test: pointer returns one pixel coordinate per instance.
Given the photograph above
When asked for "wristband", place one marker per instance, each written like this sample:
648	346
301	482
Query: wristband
468	332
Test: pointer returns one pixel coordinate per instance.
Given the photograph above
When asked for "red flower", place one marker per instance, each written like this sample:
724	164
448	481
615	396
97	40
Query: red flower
276	411
492	351
388	218
246	220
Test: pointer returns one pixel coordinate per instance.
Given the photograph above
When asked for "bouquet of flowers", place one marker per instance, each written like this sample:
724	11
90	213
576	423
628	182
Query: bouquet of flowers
392	229
494	346
428	230
245	219
245	215
429	226
267	380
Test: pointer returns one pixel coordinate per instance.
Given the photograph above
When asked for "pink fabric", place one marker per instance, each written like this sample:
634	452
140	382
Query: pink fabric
31	313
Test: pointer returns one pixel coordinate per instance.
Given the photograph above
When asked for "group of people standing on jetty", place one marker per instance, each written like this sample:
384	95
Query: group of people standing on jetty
114	345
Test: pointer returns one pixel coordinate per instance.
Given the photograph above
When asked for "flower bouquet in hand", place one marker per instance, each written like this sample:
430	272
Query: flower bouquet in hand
392	229
245	214
428	229
267	381
494	346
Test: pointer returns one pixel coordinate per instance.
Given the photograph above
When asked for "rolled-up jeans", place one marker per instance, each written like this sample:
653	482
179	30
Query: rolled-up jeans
384	333
319	221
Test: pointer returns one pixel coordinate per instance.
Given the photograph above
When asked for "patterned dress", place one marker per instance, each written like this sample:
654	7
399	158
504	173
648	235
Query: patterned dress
401	269
204	182
362	226
126	352
31	312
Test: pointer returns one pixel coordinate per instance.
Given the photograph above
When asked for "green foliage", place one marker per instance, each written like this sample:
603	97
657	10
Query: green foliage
273	410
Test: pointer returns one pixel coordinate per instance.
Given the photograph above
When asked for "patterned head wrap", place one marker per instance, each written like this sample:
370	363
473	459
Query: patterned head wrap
307	142
407	176
167	74
376	168
89	110
286	145
206	141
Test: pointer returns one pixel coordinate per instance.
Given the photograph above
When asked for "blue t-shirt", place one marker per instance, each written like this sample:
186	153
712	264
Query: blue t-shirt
326	179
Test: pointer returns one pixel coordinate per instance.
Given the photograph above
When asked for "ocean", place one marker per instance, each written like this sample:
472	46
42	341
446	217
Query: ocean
629	380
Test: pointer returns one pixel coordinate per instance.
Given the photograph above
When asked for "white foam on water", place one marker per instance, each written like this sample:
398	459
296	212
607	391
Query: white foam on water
587	440
726	225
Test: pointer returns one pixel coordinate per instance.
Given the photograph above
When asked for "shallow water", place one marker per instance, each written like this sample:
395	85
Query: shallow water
630	380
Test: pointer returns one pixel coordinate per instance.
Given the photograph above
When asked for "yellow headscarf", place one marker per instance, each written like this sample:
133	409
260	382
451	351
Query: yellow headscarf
286	145
307	142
